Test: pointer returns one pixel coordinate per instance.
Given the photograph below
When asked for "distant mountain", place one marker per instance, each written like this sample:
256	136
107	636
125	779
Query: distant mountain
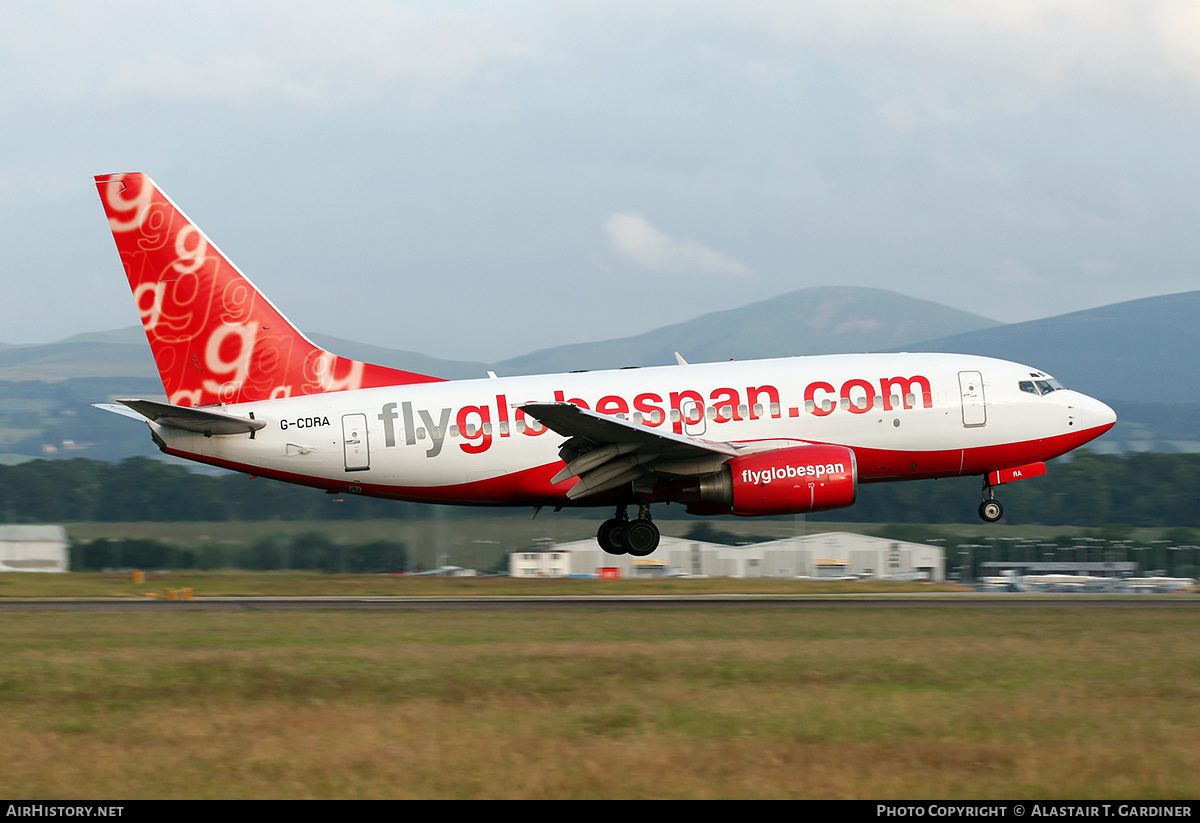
1140	357
400	359
118	353
825	320
1144	350
126	353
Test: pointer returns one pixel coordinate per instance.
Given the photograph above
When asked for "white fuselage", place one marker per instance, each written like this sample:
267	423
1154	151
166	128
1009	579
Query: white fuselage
905	416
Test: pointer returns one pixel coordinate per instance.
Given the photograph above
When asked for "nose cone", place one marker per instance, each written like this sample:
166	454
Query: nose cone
1097	417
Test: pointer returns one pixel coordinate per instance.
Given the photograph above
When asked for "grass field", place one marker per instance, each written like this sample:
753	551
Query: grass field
621	703
317	584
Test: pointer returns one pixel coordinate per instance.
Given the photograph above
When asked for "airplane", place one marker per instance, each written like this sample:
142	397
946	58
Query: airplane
247	391
1160	585
1064	583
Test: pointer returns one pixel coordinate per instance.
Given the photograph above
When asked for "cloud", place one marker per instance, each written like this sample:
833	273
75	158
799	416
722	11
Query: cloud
636	240
358	54
1012	272
1178	26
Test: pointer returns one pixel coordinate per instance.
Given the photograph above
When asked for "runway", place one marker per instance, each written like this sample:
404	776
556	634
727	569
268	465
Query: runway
949	600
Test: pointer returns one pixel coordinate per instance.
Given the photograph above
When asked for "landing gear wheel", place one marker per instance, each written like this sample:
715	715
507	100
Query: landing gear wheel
991	510
611	536
641	538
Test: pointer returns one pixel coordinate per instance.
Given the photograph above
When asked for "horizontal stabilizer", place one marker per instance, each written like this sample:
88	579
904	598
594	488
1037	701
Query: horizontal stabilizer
117	408
187	418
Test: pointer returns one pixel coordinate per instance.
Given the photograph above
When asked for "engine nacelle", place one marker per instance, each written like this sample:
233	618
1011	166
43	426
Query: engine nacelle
785	481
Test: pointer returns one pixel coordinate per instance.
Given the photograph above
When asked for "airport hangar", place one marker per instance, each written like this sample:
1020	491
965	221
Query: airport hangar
826	555
34	549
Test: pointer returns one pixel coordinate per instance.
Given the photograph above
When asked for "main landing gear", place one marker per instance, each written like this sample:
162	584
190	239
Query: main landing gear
990	509
620	535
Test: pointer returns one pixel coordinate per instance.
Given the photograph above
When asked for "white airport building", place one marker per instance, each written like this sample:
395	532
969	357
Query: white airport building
826	555
34	549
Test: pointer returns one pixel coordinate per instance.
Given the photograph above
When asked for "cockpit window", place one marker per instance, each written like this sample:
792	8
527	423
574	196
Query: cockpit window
1040	386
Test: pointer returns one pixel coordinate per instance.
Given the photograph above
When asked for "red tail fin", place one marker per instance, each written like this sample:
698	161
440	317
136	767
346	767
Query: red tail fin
215	337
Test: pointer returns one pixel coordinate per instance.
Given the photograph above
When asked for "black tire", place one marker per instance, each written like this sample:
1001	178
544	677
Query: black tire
611	536
641	538
991	510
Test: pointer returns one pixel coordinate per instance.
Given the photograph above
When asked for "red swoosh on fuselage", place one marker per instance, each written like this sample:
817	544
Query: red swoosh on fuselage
532	486
876	465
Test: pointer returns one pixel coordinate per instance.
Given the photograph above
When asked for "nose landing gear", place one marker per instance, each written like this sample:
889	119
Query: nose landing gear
620	535
990	509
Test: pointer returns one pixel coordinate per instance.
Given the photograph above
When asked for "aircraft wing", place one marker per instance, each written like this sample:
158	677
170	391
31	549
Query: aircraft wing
203	421
605	451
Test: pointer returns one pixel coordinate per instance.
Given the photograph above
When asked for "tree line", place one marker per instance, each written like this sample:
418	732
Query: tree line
311	551
140	488
1141	489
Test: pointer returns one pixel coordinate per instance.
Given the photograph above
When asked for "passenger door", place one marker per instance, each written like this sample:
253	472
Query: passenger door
974	405
354	442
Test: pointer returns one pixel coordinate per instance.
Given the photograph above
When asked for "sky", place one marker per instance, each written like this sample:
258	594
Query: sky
478	180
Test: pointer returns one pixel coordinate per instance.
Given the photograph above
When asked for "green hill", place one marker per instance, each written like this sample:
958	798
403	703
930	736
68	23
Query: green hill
826	320
1139	356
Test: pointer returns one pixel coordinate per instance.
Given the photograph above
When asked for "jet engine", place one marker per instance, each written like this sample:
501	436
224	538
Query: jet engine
794	480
